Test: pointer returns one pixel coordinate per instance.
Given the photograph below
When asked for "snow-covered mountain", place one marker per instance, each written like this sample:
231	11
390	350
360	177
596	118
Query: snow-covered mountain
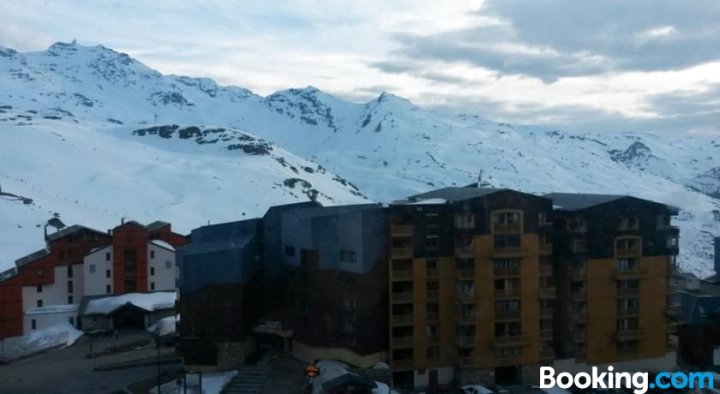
94	135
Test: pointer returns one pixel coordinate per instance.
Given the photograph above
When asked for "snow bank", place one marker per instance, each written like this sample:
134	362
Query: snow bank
212	383
164	326
149	302
61	334
331	369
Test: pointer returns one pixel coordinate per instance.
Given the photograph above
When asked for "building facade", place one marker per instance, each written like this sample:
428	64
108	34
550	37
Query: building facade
470	287
614	258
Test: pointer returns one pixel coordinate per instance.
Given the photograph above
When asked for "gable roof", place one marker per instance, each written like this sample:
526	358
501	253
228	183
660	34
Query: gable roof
31	257
75	228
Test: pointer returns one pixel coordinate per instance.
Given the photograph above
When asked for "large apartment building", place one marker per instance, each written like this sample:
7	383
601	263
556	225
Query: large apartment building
471	287
614	257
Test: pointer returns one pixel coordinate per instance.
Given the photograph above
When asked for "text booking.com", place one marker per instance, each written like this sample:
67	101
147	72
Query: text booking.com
639	382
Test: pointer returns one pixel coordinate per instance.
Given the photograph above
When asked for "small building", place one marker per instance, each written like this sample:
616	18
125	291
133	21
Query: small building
133	310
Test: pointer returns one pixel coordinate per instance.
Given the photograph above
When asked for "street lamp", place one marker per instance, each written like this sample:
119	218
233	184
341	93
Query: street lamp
156	337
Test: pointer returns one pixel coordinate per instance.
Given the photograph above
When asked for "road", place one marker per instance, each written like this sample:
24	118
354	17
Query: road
68	371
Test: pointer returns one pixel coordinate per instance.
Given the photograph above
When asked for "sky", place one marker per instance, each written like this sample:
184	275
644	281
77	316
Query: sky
620	65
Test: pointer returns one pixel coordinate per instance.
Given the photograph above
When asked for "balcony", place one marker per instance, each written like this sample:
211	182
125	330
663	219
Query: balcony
402	320
507	293
629	335
546	313
629	251
672	328
401	230
546	334
432	295
547	293
465	274
464	251
402	364
578	274
506	272
404	252
628	292
465	342
466	319
506	228
433	340
398	275
673	310
402	342
625	312
546	249
508	251
635	273
432	316
580	336
507	314
579	295
466	361
432	273
401	298
580	316
466	298
547	354
546	270
508	340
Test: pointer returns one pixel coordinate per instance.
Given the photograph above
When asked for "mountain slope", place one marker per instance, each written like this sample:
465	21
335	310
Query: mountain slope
388	147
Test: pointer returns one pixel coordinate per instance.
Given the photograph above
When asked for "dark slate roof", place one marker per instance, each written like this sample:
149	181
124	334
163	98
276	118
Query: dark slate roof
7	274
579	201
76	228
156	225
452	193
349	379
31	257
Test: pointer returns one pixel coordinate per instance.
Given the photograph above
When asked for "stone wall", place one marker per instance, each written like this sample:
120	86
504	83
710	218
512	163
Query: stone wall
231	355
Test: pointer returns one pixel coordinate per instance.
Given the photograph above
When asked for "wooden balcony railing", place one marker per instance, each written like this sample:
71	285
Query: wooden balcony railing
466	319
628	292
402	342
465	274
630	251
401	230
635	273
546	270
629	335
464	251
546	249
432	273
507	314
507	293
401	298
506	272
432	316
508	340
509	251
432	295
402	252
465	342
401	275
546	334
402	320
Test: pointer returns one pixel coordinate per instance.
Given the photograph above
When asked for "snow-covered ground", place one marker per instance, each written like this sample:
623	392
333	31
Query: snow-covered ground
74	137
212	383
164	326
331	369
61	334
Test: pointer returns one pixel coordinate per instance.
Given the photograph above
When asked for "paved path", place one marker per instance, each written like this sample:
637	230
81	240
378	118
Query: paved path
69	371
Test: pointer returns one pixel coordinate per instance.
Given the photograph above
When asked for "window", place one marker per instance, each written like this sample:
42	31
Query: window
107	273
628	284
152	271
39	303
348	328
432	330
70	299
432	219
107	289
433	353
91	268
431	267
466	288
69	271
507	305
629	264
432	242
152	254
107	256
629	223
33	324
631	304
348	305
630	323
543	218
464	220
152	285
70	286
507	352
506	217
504	329
290	251
168	264
347	256
39	288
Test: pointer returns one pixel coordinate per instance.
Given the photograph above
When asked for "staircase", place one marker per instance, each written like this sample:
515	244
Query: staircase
249	380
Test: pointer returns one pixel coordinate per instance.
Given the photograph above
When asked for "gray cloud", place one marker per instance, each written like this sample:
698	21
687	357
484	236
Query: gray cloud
548	39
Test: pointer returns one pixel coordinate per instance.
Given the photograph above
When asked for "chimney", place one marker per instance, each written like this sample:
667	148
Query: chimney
479	180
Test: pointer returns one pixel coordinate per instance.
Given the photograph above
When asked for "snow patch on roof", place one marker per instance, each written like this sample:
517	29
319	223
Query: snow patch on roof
162	244
147	301
63	308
